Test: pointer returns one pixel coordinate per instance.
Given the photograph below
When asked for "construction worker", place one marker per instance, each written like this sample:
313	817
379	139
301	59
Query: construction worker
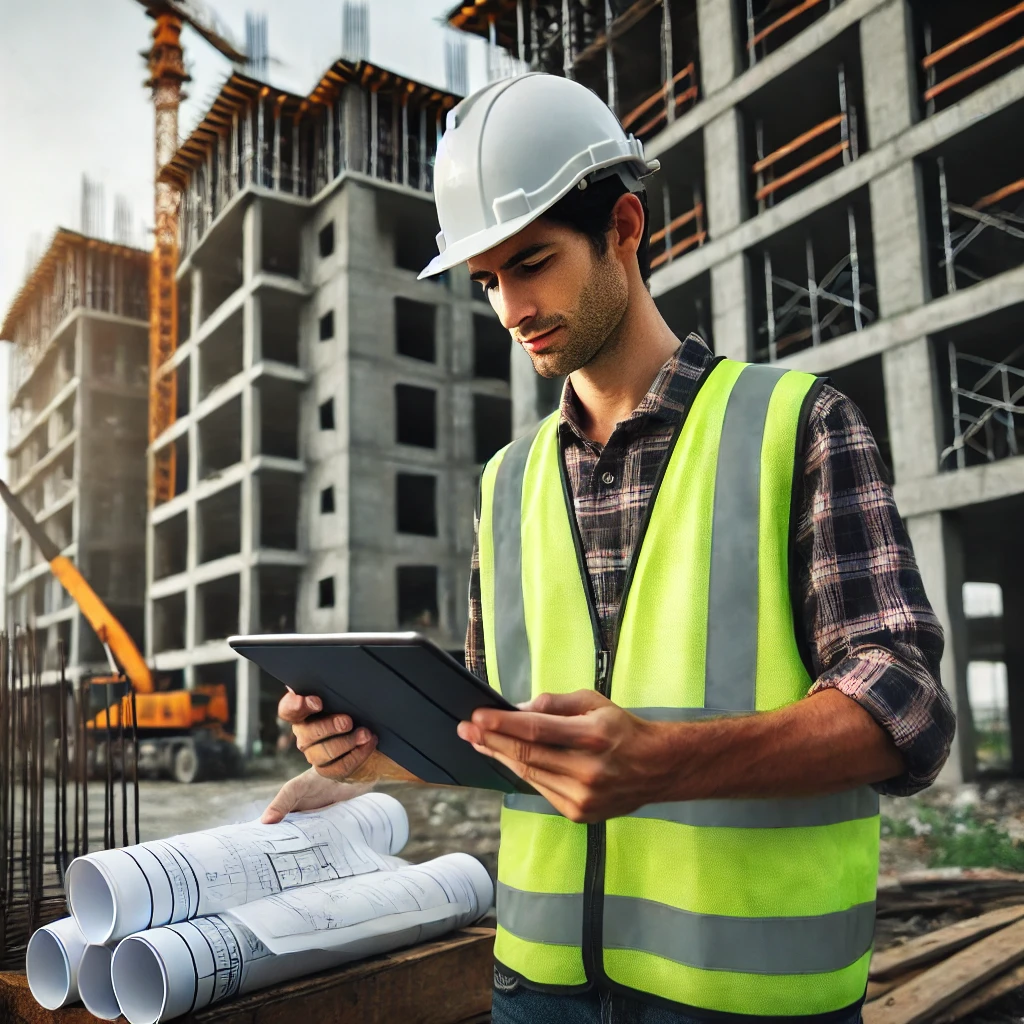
694	580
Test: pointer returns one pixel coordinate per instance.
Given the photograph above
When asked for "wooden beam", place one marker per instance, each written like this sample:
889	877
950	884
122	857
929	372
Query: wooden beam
800	140
623	23
804	168
679	221
778	23
998	196
962	76
652	99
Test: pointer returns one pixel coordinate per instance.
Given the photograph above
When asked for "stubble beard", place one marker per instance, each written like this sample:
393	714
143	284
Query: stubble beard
592	325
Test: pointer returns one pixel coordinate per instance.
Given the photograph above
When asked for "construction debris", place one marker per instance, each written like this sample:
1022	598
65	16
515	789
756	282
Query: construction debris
950	972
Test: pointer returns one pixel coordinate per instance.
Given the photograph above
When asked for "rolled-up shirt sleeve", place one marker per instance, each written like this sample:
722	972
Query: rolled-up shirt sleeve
870	631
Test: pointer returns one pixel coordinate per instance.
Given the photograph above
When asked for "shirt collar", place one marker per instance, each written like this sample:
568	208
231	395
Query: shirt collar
667	398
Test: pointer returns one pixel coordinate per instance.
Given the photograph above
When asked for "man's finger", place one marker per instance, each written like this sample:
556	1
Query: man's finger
562	792
281	805
325	751
344	765
576	703
294	708
324	727
535	755
551	730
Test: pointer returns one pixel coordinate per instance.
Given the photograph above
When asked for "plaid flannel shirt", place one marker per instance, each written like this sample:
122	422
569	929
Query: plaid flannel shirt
863	614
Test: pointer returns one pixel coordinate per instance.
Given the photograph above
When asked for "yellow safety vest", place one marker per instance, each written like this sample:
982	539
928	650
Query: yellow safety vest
762	907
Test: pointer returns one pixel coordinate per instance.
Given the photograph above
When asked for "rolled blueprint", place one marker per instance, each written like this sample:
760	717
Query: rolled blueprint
166	972
94	985
113	893
52	961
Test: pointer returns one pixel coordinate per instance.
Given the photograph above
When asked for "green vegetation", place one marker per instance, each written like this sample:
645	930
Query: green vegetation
956	838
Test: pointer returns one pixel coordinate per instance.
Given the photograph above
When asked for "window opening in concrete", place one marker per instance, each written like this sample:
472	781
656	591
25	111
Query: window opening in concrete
864	384
181	387
417	596
327	325
687	309
278	588
415	329
492	425
279	511
326	238
327	501
279	417
222	280
282	239
325	592
184	308
963	47
64	639
170	546
220	438
980	369
217	609
279	333
416	504
220	354
987	676
817	281
415	415
974	202
413	225
805	124
771	24
169	623
327	415
492	348
39	596
220	524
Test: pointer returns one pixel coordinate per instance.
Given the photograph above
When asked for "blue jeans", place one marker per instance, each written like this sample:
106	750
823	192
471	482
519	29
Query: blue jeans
526	1006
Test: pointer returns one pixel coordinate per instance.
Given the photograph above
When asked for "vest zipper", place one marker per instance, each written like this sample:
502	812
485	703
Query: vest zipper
593	878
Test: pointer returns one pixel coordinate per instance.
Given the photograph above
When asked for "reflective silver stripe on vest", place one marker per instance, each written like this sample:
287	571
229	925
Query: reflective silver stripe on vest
541	916
808	812
748	945
512	647
731	660
714	942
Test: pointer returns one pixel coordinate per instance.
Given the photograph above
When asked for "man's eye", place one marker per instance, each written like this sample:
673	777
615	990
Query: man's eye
532	268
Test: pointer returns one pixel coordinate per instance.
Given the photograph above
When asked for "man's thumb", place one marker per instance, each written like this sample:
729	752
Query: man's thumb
578	703
278	807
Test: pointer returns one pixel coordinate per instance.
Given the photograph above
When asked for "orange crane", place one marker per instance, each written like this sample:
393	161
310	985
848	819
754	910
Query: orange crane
180	732
167	74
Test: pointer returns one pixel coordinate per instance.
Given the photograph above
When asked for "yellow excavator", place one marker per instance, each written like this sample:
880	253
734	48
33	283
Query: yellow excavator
181	733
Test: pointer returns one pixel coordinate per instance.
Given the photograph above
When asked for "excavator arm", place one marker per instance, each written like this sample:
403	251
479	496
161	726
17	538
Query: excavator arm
97	614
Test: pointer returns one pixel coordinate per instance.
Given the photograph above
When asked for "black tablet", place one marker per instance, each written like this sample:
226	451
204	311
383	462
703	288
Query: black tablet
401	687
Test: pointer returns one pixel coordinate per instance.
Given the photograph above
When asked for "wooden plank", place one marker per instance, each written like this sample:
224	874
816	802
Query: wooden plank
779	22
942	985
974	69
877	989
798	142
926	948
982	997
443	982
799	172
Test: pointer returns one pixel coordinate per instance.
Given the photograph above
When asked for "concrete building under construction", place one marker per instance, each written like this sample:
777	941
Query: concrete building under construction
332	411
842	191
77	441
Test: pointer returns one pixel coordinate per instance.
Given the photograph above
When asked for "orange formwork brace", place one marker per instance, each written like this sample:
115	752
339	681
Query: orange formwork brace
661	94
933	59
779	22
697	238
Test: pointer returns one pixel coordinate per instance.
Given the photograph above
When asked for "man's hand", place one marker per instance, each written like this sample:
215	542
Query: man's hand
591	759
327	741
332	748
308	792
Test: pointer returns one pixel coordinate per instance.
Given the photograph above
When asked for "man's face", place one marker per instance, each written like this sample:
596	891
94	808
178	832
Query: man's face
555	296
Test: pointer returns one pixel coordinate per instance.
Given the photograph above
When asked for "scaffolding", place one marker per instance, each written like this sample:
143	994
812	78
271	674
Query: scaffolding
963	225
988	412
666	245
810	312
934	87
763	27
766	165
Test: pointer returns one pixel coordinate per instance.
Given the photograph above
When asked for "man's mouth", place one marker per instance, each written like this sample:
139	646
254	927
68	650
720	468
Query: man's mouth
539	342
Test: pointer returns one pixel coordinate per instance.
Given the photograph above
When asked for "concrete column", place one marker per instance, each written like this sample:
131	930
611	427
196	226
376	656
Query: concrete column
718	30
890	77
939	551
912	410
725	173
1013	647
252	241
900	240
731	318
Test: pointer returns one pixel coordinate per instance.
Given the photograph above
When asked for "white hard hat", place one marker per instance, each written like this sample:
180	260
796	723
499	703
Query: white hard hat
512	150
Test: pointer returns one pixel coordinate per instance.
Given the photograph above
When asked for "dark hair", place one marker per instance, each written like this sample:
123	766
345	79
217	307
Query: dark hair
589	211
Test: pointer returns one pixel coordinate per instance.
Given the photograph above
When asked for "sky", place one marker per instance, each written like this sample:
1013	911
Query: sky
73	102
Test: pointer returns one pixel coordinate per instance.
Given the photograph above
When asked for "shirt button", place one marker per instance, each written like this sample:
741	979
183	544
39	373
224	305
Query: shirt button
608	478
